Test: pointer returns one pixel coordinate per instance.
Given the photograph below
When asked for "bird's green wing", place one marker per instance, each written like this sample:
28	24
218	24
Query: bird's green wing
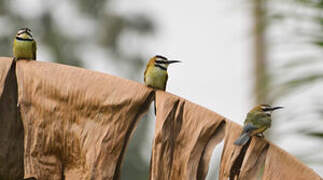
261	120
249	118
258	121
34	48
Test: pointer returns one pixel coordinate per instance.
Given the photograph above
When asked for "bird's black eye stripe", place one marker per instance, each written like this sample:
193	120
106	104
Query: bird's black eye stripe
161	67
161	62
267	109
21	39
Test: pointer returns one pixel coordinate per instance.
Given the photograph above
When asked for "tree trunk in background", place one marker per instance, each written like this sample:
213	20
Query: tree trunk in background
259	43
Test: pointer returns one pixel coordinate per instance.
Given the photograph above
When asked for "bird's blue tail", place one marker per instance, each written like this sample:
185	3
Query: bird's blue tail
243	139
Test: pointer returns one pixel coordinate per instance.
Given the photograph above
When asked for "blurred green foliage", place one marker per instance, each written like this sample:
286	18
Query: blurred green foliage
65	29
289	56
301	26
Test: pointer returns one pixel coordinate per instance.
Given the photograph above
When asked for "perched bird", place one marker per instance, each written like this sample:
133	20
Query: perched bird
257	121
24	46
155	75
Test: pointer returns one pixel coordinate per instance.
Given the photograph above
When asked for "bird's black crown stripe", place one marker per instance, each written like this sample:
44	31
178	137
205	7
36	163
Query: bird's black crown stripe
266	105
25	32
27	29
162	57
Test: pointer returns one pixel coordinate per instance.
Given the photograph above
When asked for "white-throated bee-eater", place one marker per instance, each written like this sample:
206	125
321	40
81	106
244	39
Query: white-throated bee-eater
155	75
257	121
24	45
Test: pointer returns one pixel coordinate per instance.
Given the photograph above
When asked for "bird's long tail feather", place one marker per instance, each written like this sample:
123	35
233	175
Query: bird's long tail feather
243	139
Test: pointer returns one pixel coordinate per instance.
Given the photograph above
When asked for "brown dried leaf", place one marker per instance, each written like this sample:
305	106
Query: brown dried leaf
245	162
281	165
185	136
241	162
11	128
77	122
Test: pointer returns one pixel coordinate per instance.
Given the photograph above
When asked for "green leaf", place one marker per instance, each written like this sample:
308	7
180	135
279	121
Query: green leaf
315	134
318	43
298	82
300	62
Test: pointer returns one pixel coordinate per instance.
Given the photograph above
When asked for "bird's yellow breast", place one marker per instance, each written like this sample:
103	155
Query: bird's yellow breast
156	77
23	49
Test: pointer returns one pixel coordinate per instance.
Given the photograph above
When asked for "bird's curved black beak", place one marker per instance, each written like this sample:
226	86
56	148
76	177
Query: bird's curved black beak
172	61
275	108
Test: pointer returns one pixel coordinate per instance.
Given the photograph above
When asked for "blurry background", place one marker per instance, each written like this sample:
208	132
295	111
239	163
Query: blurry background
236	54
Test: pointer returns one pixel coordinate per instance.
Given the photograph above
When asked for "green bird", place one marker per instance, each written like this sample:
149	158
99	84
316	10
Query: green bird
24	46
155	75
257	121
